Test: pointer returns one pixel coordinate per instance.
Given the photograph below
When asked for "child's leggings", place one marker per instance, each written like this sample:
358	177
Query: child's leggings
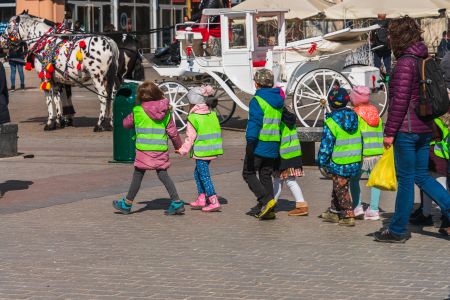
203	178
355	190
292	184
426	201
163	176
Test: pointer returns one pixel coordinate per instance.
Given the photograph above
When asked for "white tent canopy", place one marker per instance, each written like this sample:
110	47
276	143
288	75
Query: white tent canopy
362	9
300	9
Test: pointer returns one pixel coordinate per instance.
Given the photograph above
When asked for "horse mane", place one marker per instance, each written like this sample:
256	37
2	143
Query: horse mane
46	21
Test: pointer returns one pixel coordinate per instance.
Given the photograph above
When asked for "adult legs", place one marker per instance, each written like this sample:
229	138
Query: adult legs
424	181
387	63
13	67
21	75
405	166
426	200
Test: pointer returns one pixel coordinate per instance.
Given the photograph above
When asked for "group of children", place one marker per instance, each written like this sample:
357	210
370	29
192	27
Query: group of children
352	143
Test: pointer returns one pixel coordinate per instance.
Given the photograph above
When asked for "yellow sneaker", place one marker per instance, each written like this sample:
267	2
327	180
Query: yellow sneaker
267	208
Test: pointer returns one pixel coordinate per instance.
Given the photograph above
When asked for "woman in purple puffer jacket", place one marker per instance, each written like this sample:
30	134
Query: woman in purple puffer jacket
409	135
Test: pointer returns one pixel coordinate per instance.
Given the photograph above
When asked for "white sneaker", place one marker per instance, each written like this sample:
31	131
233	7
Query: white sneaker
373	215
359	212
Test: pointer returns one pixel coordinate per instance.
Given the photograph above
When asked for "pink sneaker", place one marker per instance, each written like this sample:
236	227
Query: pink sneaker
359	212
214	204
373	215
199	203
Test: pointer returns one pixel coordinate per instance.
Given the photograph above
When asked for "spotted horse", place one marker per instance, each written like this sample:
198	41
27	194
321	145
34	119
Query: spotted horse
62	58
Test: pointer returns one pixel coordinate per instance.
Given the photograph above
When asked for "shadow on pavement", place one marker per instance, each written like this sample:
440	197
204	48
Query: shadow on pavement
77	121
14	185
284	205
419	229
163	204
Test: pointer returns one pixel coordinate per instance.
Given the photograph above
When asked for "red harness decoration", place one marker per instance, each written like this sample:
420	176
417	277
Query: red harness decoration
312	49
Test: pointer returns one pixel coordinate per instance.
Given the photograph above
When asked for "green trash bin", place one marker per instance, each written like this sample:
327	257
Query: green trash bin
123	139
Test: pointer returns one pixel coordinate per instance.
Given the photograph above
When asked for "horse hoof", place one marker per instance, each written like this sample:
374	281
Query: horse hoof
50	127
69	122
98	128
62	124
108	127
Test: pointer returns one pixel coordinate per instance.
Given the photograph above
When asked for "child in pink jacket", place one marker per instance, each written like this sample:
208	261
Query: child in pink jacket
153	123
204	143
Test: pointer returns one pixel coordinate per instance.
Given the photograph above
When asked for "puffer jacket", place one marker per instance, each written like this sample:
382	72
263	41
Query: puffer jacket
404	95
445	68
347	119
155	160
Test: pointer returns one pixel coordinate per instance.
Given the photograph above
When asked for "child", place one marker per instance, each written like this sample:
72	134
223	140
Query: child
371	127
204	142
438	167
340	155
263	143
289	165
153	123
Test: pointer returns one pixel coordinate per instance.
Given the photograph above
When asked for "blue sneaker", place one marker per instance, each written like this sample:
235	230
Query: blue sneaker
122	206
175	208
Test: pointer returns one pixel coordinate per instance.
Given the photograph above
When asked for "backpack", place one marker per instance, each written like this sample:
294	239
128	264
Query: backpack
433	96
382	36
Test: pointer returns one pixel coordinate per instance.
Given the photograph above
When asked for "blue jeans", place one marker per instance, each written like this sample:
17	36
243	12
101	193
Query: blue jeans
203	178
411	153
19	68
386	61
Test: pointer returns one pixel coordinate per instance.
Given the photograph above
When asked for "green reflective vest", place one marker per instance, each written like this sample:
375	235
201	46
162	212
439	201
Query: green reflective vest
150	134
209	135
290	144
348	147
372	138
441	147
270	131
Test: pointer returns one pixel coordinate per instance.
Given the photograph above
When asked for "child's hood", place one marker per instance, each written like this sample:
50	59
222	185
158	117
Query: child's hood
346	118
156	110
201	109
273	96
369	113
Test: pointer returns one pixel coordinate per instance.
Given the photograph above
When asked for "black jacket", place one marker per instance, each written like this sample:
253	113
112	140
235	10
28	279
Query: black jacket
290	120
4	99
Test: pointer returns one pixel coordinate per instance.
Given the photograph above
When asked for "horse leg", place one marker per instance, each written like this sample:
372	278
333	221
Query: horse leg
51	124
103	97
56	91
68	110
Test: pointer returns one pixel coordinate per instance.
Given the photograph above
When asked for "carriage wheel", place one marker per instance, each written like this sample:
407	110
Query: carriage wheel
176	93
378	96
223	104
310	95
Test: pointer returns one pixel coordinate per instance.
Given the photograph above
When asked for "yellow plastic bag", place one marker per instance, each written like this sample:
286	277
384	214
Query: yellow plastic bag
383	174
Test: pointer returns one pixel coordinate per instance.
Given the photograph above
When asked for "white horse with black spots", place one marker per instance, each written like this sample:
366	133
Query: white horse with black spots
99	63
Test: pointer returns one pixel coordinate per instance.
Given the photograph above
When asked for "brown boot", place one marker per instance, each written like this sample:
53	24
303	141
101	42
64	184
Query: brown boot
301	209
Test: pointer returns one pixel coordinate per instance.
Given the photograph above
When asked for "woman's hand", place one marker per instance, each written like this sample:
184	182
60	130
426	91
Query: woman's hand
388	141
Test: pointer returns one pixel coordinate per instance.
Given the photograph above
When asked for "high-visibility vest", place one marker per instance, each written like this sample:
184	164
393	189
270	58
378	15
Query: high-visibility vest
209	135
348	147
150	134
270	131
441	148
372	138
290	144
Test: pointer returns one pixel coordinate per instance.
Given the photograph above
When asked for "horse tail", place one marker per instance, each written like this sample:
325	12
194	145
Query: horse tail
112	81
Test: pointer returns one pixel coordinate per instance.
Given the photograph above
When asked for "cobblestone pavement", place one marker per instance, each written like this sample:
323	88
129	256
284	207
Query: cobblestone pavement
61	239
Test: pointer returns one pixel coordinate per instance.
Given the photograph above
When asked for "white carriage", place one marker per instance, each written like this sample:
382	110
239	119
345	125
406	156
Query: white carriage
253	39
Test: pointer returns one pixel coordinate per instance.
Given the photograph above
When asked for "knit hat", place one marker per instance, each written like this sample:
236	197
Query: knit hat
264	78
199	95
338	97
360	95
